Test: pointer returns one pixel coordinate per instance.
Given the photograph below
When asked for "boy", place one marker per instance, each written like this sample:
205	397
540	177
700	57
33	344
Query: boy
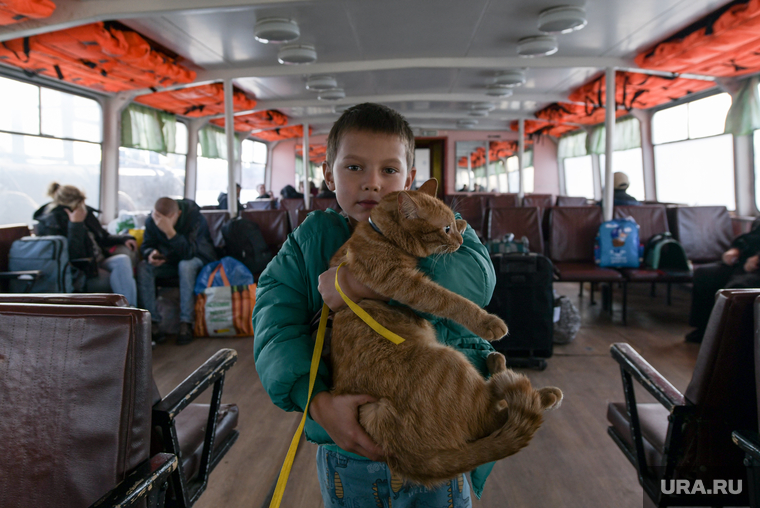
370	153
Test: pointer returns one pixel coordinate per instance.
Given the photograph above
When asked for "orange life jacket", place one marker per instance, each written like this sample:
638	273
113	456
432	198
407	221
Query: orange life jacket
257	120
196	101
15	11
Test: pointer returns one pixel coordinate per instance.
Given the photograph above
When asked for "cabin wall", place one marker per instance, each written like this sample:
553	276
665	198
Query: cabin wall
545	167
451	145
283	165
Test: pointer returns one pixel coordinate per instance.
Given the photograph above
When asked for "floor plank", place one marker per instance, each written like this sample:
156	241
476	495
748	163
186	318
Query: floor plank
571	462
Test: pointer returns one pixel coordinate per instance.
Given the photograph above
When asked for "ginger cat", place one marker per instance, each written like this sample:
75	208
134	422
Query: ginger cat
436	416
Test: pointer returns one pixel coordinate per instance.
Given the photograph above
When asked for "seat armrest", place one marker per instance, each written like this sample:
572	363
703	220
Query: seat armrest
659	387
203	377
147	479
748	441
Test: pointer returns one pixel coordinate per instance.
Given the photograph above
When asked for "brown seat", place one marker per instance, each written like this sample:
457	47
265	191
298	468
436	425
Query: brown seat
471	210
216	219
691	438
518	221
571	201
324	204
75	403
704	231
539	200
292	205
261	204
502	201
274	225
190	420
301	216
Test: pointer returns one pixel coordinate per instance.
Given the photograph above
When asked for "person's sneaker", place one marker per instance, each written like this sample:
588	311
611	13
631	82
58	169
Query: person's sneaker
185	334
695	336
156	334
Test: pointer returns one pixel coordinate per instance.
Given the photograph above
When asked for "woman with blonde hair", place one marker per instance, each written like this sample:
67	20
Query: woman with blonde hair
67	215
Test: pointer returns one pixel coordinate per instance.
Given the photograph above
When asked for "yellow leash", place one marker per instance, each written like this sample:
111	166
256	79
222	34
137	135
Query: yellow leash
282	481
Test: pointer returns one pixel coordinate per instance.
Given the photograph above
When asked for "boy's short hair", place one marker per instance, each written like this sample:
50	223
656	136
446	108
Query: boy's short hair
375	118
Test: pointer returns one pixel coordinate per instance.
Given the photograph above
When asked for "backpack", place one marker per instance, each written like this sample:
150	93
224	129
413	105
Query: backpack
244	242
49	255
508	245
663	252
617	244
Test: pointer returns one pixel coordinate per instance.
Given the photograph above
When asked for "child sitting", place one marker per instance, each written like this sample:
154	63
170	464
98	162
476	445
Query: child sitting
370	153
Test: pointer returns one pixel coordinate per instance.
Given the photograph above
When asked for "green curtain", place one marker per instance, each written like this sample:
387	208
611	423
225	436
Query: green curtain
148	129
314	169
213	142
572	145
744	116
627	136
528	162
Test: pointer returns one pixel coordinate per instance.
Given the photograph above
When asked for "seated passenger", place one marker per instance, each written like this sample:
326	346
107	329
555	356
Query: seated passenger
738	269
289	192
325	192
110	267
176	243
263	192
223	199
621	197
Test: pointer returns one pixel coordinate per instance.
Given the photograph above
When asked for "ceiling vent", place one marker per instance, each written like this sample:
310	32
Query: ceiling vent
499	90
539	45
276	30
467	123
340	108
510	78
297	54
334	94
482	106
479	112
561	20
319	83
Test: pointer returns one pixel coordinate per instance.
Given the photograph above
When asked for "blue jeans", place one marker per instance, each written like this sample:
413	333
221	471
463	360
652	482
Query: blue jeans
349	482
187	271
115	276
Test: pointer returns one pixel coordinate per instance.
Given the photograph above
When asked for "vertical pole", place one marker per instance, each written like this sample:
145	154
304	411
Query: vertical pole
109	165
520	157
609	143
191	161
306	161
647	153
229	131
488	166
469	172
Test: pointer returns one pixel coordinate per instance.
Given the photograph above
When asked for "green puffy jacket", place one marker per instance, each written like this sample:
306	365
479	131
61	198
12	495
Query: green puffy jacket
287	299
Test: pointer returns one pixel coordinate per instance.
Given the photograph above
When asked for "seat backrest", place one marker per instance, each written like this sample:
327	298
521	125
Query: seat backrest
292	205
652	219
324	204
571	201
302	216
519	221
75	395
502	201
471	210
757	353
572	231
704	231
261	204
539	200
106	299
274	226
215	220
8	235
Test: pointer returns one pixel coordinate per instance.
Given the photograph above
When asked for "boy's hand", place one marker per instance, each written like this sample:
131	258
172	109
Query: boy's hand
352	288
339	416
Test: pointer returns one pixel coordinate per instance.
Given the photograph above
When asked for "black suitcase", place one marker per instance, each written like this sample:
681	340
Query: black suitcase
524	299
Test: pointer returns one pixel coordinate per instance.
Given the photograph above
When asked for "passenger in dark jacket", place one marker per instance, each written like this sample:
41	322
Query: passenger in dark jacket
620	196
738	269
222	199
176	243
110	267
325	192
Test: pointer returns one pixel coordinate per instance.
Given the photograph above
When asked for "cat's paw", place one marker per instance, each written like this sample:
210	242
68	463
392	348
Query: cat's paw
551	397
491	328
496	362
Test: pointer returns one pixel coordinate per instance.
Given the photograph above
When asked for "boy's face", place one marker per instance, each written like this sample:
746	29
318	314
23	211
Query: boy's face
366	168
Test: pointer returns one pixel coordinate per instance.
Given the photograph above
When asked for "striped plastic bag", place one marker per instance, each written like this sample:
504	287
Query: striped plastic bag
226	310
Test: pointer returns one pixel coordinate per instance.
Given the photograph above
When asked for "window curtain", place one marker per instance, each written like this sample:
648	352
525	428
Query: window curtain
148	129
213	142
572	145
744	116
627	136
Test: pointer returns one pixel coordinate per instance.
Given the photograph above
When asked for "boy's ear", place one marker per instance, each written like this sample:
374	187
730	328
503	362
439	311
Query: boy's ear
430	187
328	174
407	208
411	175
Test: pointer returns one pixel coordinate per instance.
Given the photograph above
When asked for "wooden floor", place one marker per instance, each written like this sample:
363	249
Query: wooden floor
571	462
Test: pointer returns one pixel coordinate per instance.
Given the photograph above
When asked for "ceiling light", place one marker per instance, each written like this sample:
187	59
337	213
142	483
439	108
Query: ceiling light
562	19
510	78
467	123
482	106
276	30
334	94
498	90
297	54
479	112
319	83
539	45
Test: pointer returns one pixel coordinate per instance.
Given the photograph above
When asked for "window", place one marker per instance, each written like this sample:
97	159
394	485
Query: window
253	163
631	163
694	160
579	176
211	180
513	174
36	148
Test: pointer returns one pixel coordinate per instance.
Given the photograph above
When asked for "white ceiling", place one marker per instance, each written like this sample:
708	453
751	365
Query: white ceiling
429	59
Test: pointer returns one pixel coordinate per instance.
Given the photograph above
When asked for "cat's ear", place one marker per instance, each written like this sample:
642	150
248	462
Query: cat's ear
461	225
430	187
406	206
